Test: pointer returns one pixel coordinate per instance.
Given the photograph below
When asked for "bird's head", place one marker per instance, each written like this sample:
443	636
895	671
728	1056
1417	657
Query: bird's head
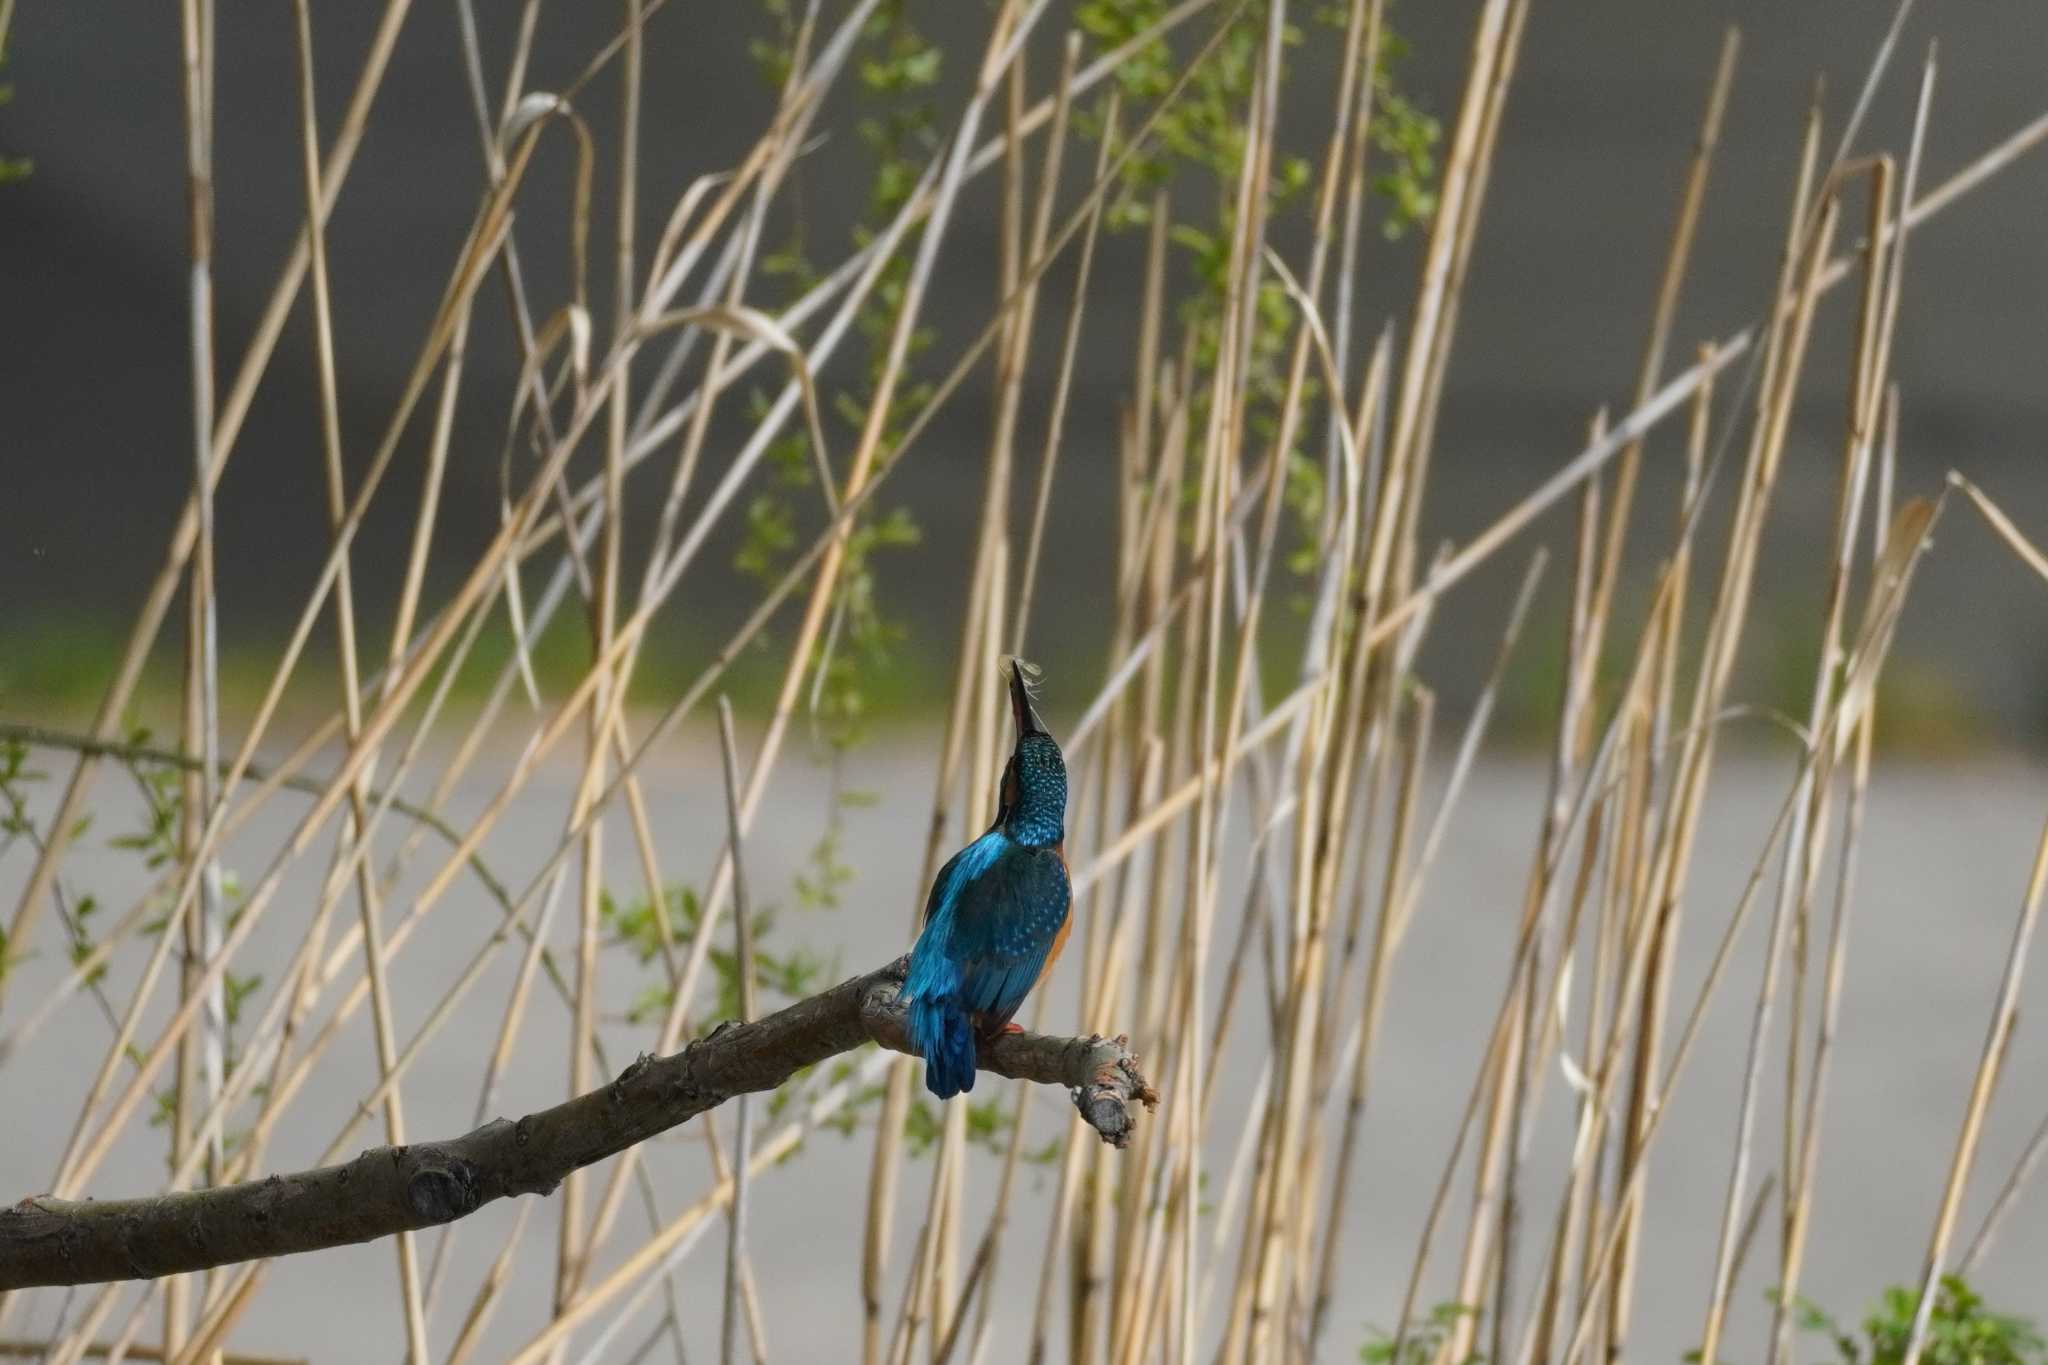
1034	793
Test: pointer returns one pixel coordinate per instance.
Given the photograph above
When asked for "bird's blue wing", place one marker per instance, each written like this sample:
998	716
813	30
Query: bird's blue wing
934	967
1005	921
995	912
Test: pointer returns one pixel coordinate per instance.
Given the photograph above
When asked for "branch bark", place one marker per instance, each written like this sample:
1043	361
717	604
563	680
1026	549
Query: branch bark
388	1190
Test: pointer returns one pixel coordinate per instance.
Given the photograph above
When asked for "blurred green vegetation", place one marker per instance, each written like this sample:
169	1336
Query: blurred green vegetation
55	666
1961	1329
11	167
1424	1342
55	669
1924	709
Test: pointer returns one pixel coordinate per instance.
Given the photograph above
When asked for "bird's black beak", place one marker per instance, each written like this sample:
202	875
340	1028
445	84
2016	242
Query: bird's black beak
1020	704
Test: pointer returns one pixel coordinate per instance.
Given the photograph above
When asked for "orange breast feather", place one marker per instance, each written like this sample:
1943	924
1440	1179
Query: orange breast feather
1066	925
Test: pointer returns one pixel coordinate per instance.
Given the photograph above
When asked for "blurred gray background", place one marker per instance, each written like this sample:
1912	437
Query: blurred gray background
94	425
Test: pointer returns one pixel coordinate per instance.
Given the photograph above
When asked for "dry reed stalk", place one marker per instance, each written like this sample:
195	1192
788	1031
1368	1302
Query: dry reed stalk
1227	422
1676	837
743	932
1142	1207
1308	333
574	1241
1328	745
945	1219
205	921
1870	412
1541	1027
177	1309
1076	312
70	1349
488	1291
980	628
1367	694
1466	220
1130	739
2008	1193
345	616
1397	905
1803	846
938	1289
987	1251
1628	914
1102	996
1865	391
1677	261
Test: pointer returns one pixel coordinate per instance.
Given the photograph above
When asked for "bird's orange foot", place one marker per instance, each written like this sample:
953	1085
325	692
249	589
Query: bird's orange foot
1013	1027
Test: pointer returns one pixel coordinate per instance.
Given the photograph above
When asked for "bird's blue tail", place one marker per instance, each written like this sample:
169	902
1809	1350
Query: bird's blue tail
940	1032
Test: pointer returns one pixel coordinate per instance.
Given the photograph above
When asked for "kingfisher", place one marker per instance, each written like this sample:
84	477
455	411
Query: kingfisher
997	915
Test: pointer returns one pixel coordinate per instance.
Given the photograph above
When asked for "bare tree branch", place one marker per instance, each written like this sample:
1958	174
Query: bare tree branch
387	1190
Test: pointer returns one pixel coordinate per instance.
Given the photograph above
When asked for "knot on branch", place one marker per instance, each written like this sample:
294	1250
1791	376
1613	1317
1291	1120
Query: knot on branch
444	1191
